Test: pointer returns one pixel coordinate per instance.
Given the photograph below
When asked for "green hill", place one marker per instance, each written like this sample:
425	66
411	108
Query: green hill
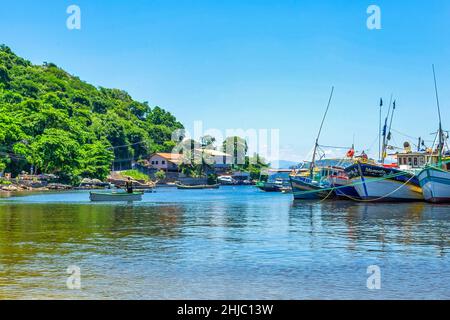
56	123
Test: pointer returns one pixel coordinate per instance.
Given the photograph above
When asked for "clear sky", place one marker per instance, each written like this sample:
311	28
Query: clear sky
254	63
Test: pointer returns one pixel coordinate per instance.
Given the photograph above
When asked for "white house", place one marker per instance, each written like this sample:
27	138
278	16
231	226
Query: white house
216	158
165	161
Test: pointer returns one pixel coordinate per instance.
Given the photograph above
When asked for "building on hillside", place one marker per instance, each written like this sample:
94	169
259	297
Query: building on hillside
219	161
165	161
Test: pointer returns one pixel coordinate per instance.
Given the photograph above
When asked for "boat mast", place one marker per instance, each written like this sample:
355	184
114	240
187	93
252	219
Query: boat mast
441	133
385	131
379	131
390	124
311	170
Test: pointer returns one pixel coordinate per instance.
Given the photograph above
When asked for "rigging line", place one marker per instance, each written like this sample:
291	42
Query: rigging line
408	136
335	147
437	98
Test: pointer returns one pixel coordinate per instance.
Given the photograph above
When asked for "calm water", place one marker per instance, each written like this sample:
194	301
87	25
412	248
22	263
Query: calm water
231	243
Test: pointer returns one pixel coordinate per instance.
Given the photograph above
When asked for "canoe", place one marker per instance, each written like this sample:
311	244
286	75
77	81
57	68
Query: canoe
198	187
115	196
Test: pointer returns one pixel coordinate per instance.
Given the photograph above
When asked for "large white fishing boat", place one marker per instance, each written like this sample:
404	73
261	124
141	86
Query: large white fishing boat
435	178
375	182
435	183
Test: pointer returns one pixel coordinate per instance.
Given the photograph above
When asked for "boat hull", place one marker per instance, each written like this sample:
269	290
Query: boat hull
377	183
269	187
343	188
199	187
435	185
98	196
304	189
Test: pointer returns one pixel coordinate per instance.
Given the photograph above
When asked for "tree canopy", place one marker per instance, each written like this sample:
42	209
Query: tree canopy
53	122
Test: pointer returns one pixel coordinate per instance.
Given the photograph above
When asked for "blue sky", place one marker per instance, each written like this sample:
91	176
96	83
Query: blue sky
254	64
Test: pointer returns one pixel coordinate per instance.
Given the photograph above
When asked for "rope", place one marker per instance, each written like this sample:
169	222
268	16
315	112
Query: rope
331	189
383	197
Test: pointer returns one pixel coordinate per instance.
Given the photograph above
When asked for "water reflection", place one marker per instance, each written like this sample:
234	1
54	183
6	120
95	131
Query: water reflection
219	244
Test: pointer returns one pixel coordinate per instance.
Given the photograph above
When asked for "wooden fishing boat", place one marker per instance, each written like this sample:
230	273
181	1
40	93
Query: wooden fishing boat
307	184
435	179
338	180
435	184
305	188
378	183
115	196
277	180
198	187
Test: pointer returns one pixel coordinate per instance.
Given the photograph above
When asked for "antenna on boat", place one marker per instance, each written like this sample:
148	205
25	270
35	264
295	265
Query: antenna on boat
318	135
441	143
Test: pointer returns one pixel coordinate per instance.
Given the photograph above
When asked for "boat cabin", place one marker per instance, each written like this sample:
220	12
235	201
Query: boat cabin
415	160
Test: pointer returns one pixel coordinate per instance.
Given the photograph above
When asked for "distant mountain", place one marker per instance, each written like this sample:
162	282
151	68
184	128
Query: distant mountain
283	164
286	164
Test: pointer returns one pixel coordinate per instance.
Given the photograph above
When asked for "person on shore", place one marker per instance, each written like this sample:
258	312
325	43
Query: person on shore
129	185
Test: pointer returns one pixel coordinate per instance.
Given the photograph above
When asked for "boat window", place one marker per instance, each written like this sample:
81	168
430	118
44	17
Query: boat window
409	161
415	161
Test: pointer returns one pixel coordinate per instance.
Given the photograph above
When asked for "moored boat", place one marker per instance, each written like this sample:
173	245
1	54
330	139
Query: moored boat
308	184
305	188
378	183
277	180
435	179
435	184
115	196
340	182
198	187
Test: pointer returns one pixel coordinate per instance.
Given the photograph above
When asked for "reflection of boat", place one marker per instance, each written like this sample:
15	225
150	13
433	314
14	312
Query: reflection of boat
115	196
198	187
379	183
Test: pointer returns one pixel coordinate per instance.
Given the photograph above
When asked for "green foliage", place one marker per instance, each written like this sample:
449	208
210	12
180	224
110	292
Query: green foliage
160	175
237	147
212	178
59	124
136	175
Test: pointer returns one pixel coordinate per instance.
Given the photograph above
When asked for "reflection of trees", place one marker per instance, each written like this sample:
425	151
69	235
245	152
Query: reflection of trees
29	230
382	223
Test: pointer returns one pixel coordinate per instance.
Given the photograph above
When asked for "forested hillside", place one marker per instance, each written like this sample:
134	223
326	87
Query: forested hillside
56	123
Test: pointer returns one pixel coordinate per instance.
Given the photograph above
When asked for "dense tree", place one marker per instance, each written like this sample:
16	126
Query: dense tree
56	123
237	147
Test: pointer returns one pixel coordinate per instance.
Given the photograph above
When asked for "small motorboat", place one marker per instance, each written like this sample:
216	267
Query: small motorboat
115	196
198	187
